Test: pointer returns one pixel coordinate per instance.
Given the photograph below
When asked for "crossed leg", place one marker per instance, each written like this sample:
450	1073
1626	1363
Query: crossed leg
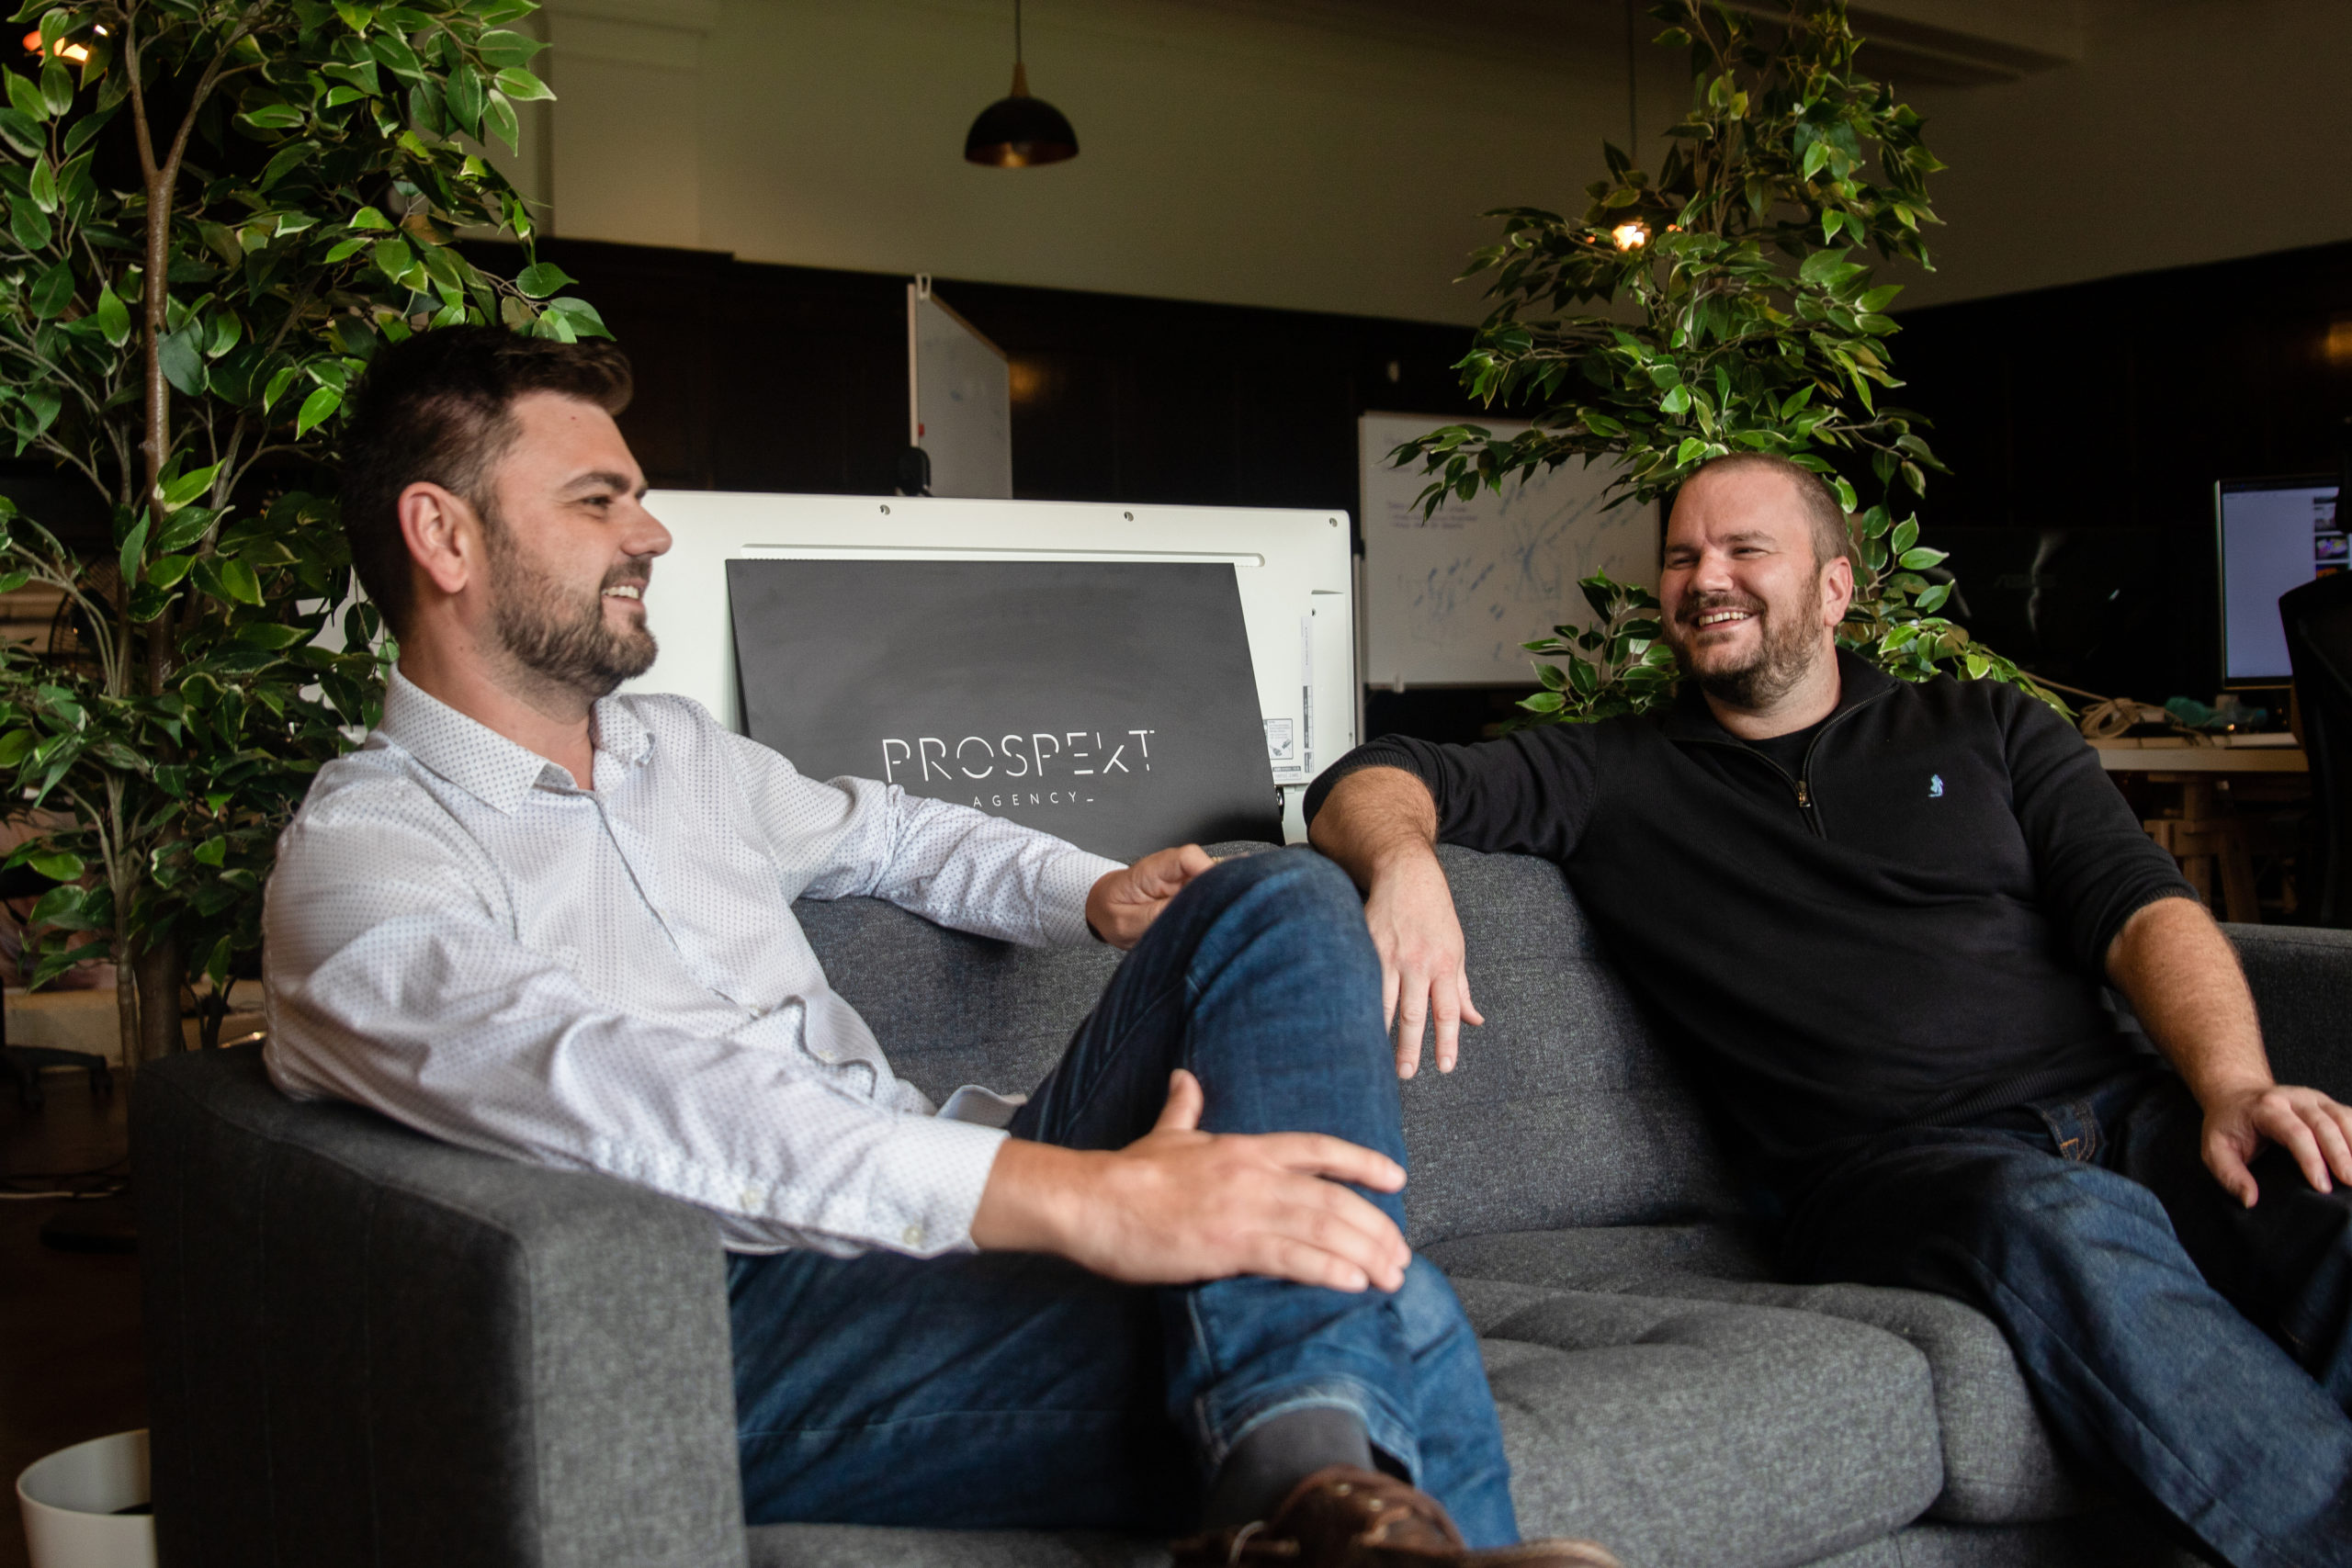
1002	1390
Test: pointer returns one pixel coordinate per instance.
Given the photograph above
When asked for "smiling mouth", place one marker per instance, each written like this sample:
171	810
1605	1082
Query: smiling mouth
626	591
1721	618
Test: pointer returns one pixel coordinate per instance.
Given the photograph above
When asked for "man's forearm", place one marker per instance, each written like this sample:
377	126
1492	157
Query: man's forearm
1370	819
2181	976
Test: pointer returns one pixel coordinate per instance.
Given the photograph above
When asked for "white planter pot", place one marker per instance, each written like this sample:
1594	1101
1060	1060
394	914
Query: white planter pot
71	1502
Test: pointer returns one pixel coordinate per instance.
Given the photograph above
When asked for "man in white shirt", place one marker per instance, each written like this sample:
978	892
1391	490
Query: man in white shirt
537	919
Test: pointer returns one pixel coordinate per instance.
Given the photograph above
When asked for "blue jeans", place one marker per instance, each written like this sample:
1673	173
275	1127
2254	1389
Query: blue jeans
2185	1347
1019	1390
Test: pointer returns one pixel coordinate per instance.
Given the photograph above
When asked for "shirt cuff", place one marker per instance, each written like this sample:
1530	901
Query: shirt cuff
1062	888
928	1179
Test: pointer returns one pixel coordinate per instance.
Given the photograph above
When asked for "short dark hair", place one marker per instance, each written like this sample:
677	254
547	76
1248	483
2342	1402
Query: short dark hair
439	408
1824	517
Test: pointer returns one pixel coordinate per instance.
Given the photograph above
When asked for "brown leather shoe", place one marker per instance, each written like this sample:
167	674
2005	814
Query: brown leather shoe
1345	1517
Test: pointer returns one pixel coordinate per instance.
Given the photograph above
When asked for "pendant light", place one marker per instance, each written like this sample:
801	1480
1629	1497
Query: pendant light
1019	131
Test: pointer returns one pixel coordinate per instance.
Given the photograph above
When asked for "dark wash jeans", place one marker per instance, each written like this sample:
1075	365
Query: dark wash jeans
1014	1391
2179	1343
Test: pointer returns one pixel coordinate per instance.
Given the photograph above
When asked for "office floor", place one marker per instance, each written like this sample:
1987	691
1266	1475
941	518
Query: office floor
70	1366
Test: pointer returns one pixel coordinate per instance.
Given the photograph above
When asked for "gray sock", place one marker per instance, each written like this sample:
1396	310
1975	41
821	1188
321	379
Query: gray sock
1279	1454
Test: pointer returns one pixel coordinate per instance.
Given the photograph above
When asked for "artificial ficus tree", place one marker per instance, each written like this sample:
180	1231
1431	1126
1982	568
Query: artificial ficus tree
215	211
1726	311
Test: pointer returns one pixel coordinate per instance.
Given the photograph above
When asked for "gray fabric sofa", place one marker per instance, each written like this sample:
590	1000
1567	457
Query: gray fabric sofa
367	1348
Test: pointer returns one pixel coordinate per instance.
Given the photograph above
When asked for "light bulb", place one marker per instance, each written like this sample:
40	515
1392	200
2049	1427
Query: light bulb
1630	235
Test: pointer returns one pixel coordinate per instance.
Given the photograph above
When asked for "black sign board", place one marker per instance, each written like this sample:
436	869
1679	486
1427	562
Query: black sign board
1111	704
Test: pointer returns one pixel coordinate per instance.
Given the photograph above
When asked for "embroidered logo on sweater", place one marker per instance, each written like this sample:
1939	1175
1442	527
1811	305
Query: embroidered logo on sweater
1935	787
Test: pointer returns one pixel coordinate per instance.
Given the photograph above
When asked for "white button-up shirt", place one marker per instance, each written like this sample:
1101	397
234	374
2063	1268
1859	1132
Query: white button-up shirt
462	938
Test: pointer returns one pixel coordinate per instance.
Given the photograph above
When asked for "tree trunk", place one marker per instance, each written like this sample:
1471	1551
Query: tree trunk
159	1001
126	1008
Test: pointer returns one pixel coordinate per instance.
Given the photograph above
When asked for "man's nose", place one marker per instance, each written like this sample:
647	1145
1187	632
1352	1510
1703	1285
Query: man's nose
650	536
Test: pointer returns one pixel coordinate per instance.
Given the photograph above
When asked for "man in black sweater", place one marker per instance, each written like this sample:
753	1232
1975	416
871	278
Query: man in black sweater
1879	914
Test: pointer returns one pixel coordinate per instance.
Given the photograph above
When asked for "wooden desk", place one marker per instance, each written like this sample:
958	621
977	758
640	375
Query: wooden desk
2206	837
2131	757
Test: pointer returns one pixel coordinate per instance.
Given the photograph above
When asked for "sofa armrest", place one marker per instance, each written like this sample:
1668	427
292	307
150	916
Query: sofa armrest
2301	978
365	1346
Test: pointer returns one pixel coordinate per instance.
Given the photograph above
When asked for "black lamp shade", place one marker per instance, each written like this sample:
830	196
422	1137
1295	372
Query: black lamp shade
1020	132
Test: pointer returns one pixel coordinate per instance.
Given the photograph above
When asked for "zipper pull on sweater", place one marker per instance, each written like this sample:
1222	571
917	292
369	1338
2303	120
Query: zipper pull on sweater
1804	795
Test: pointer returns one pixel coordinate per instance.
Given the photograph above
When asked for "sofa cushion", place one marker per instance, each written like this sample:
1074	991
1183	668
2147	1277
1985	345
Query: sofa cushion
2000	1464
1699	1433
1563	1088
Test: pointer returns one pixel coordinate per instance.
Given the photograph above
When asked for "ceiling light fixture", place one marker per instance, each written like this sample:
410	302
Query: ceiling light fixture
1019	131
65	50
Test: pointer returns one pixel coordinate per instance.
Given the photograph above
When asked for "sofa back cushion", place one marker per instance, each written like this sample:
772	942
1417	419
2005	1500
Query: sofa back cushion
1562	1112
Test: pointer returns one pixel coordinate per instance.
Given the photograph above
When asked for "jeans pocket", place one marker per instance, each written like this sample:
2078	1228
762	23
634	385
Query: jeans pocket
2073	1129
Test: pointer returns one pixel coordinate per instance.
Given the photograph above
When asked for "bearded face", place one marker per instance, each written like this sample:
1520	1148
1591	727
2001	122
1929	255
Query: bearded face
1745	649
561	630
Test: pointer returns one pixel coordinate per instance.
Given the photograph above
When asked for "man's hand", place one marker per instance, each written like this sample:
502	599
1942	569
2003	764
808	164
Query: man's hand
2181	976
1419	937
1123	904
1179	1206
2305	1122
1381	826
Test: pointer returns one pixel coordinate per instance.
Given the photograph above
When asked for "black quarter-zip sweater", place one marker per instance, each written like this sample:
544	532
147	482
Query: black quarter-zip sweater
1911	926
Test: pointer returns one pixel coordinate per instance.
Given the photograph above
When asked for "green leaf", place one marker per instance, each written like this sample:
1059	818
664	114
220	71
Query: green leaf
501	47
499	120
41	185
56	86
183	364
21	131
28	225
113	316
368	217
25	100
542	278
581	316
238	582
319	406
13	746
1920	559
280	381
270	635
188	486
166	572
272	116
521	85
51	291
466	97
134	549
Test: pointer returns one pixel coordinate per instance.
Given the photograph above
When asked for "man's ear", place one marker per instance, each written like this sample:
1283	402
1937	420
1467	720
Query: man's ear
1837	589
443	535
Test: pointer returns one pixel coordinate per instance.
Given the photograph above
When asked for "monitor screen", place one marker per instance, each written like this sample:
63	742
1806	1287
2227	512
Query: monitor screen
2275	534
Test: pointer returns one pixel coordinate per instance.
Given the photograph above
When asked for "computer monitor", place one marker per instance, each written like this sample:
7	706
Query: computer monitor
2273	535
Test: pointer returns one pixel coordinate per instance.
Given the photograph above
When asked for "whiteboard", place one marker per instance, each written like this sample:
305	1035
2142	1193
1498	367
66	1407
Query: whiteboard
959	400
1447	600
1292	569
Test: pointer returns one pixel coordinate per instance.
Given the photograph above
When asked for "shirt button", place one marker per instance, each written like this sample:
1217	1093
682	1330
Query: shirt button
911	1235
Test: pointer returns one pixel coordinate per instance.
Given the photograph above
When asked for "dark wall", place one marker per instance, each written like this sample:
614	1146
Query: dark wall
2107	411
766	378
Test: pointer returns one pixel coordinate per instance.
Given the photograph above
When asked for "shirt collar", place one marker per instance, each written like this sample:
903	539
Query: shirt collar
1859	681
485	764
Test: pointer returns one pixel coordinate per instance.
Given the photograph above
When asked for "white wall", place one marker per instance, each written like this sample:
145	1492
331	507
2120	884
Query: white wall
1252	153
2192	131
1226	155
